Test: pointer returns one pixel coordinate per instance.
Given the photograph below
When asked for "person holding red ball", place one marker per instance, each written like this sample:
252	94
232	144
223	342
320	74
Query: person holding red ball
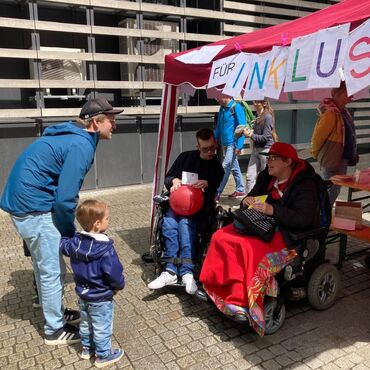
179	230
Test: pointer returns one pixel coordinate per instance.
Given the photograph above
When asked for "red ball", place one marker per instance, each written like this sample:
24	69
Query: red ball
186	200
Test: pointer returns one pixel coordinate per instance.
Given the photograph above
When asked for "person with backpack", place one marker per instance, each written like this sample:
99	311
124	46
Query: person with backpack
262	136
230	115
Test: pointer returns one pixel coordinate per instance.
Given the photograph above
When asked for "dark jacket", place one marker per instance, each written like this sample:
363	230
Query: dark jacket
190	161
97	270
299	208
48	175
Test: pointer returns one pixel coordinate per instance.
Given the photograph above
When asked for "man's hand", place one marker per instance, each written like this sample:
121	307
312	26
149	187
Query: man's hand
201	184
176	183
265	208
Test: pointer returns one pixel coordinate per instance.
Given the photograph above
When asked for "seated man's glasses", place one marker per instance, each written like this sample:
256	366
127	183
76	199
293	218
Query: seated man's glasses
207	149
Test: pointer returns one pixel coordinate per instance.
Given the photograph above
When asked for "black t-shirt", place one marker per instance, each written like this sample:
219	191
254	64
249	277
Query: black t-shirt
191	161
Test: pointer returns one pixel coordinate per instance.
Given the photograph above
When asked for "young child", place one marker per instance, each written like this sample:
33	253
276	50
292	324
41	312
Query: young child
98	275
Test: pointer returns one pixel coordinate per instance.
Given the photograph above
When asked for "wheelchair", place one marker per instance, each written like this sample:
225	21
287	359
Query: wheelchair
205	228
309	275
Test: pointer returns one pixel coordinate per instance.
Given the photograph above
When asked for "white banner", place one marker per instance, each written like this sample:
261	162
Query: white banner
315	62
221	70
328	57
276	74
239	75
299	63
357	61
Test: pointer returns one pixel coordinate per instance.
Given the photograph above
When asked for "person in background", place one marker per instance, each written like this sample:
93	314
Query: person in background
41	195
179	232
333	141
262	138
98	274
230	115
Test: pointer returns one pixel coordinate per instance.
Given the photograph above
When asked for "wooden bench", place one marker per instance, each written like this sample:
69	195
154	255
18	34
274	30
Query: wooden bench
362	234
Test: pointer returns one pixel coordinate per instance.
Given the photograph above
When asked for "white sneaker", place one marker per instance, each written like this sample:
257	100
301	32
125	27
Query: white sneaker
165	278
190	284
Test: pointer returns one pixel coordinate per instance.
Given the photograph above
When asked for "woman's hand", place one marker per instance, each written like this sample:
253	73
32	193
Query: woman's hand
265	208
247	201
176	183
201	184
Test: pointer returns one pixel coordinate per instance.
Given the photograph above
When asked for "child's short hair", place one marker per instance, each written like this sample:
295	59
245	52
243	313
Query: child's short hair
89	211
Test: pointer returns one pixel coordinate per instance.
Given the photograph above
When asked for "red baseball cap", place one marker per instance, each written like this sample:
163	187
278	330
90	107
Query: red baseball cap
283	150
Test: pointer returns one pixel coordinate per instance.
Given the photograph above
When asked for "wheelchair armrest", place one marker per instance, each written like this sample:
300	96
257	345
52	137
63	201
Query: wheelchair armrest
310	234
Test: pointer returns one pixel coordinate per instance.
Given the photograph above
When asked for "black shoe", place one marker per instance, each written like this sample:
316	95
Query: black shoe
66	335
241	318
202	295
72	316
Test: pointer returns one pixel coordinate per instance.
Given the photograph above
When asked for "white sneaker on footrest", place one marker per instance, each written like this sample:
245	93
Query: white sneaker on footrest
165	278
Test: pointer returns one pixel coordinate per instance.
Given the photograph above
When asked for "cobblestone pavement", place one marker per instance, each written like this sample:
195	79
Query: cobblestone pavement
172	330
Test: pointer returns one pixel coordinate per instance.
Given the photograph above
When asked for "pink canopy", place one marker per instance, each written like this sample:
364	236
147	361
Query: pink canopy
176	73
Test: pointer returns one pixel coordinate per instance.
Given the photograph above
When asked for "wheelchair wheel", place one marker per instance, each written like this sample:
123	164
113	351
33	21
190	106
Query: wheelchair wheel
323	286
156	246
273	319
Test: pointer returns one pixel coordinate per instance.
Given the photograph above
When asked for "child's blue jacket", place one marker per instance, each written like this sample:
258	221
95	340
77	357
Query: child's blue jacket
97	270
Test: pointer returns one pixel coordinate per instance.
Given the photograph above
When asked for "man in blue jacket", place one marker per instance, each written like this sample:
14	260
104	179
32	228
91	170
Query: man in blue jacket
41	195
230	115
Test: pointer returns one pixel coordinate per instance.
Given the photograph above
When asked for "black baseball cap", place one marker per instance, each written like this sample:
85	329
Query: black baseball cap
97	106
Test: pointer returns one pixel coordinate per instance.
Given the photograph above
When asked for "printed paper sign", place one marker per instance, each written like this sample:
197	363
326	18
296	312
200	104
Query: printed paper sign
299	63
328	57
239	75
276	73
221	70
255	86
189	178
357	61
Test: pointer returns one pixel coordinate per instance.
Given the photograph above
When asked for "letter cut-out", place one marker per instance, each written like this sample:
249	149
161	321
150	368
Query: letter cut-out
328	57
299	63
357	62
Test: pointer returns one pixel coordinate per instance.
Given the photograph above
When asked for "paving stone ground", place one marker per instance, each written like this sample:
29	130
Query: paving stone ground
169	329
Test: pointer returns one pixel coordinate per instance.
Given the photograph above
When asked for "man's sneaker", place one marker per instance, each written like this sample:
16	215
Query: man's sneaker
115	356
237	194
66	335
190	284
87	353
35	301
165	278
72	316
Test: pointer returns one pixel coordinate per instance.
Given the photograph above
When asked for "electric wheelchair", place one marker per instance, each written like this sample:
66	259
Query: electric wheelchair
309	275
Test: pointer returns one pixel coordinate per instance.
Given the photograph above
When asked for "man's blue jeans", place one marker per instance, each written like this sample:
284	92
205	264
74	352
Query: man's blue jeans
231	165
179	235
43	240
334	190
96	326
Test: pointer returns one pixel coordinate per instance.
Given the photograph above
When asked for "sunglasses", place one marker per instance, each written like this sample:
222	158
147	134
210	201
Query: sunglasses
273	158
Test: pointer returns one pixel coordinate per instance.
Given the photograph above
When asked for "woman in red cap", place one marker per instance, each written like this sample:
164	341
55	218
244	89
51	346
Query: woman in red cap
238	269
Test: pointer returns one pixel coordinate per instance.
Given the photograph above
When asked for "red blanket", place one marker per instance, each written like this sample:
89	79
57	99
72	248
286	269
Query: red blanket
238	270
